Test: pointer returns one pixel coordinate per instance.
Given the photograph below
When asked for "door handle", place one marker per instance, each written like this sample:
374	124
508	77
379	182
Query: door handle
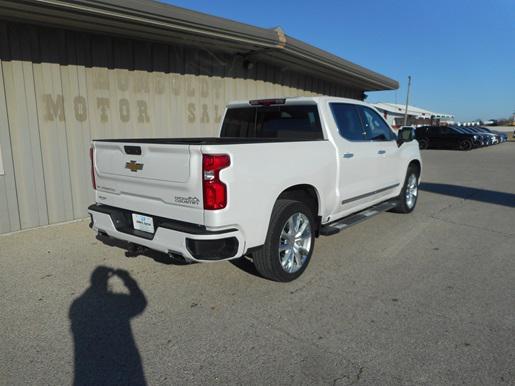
348	155
381	152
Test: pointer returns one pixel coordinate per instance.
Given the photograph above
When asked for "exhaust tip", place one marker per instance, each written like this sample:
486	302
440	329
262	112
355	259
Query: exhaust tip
178	258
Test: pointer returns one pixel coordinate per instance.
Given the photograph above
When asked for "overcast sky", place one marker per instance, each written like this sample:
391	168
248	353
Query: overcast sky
460	53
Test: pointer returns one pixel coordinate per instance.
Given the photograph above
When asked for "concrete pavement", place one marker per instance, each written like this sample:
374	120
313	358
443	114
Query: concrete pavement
426	298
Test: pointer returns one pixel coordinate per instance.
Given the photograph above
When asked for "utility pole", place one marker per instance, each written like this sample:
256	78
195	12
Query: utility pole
407	100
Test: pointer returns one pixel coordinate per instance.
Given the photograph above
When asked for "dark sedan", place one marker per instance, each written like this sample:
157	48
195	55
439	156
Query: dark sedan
446	137
484	138
501	137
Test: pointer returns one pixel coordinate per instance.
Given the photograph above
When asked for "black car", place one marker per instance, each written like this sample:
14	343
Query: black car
501	137
484	139
446	137
491	139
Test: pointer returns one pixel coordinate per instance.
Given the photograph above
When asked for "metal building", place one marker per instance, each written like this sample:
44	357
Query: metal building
76	70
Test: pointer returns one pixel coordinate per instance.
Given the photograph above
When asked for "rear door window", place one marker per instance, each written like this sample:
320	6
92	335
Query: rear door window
348	122
239	123
300	122
433	131
421	131
445	131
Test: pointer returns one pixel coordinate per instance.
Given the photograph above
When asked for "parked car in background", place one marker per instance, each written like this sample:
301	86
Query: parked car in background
493	138
446	137
501	137
478	139
486	138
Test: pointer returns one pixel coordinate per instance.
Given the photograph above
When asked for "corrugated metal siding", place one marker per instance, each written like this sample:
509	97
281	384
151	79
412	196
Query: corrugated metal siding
61	88
25	142
9	217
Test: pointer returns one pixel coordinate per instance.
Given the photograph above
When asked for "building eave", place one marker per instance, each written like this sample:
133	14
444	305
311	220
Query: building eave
157	21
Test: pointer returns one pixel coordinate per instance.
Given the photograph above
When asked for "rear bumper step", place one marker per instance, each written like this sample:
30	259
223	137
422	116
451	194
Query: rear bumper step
191	241
123	222
346	222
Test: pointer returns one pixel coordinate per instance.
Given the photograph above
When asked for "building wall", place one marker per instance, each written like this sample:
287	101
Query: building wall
59	89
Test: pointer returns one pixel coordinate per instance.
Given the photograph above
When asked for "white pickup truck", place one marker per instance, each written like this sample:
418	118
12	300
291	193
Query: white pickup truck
282	172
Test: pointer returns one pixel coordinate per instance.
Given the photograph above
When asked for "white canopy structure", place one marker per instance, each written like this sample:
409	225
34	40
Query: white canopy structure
417	112
393	112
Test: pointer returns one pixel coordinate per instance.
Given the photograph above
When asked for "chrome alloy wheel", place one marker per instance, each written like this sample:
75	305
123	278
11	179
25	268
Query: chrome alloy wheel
411	191
295	242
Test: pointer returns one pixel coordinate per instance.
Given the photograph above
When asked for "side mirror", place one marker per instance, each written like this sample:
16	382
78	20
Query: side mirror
406	134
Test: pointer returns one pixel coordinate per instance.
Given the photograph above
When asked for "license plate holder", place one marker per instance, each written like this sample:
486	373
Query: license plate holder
143	223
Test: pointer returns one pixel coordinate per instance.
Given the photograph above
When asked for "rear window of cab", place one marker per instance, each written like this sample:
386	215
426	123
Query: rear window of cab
300	122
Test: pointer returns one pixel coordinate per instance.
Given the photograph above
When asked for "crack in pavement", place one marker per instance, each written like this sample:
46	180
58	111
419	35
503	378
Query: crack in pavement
447	221
356	377
315	344
456	204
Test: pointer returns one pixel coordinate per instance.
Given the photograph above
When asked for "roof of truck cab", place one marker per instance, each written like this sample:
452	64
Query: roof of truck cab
301	100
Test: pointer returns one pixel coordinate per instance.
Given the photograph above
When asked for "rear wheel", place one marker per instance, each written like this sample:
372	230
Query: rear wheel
423	143
466	145
289	242
407	199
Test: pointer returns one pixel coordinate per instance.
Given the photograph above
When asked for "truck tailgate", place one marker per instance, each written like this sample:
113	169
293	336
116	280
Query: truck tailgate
151	178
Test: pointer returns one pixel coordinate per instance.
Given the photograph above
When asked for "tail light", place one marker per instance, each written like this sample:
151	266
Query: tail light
215	191
92	158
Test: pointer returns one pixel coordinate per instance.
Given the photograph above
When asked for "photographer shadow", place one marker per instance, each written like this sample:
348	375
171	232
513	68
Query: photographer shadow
105	352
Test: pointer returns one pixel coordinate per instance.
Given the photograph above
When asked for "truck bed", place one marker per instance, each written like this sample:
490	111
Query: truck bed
204	140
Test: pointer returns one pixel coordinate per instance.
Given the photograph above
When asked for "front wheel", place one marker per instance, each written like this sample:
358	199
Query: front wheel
423	143
407	200
466	145
289	242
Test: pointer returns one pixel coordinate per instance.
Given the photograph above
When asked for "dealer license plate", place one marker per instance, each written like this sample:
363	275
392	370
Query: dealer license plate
143	223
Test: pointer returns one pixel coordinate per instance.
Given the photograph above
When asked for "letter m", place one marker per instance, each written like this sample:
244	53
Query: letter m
54	109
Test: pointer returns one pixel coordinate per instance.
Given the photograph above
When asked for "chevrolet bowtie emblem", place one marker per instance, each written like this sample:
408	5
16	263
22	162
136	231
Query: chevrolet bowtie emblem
133	166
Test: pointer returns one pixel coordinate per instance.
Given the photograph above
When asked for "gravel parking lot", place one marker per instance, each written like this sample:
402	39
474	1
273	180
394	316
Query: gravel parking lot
426	298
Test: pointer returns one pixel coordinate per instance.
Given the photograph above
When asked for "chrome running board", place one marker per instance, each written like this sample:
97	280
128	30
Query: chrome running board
346	222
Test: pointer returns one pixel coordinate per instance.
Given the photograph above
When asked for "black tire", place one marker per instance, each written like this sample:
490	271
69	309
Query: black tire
466	145
423	144
402	205
267	259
